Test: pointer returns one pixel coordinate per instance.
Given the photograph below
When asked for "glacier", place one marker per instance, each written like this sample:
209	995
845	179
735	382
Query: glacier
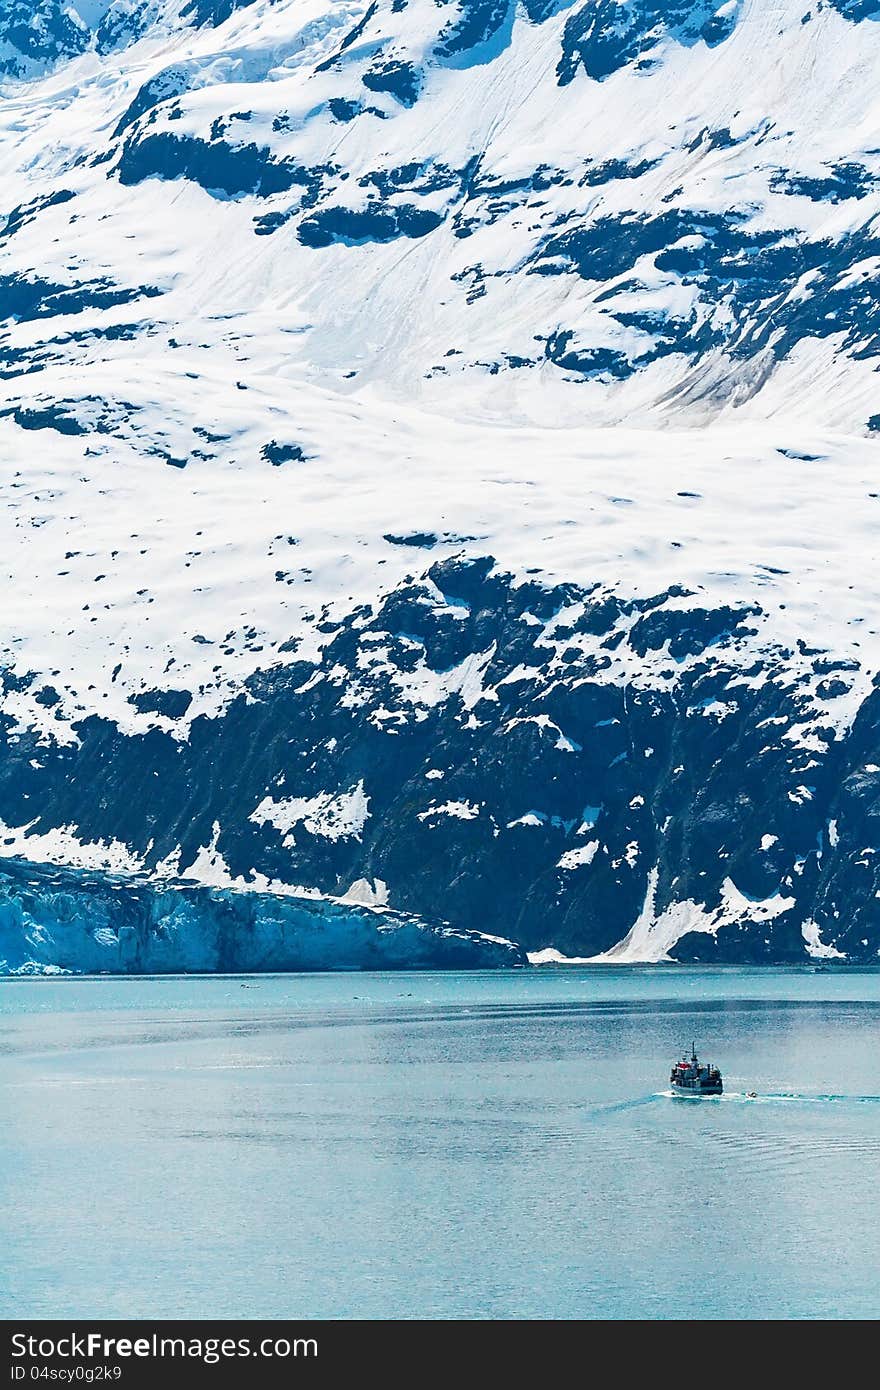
438	449
68	921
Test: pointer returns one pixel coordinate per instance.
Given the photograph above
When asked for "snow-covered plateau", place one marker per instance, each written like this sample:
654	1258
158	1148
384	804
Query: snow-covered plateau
440	457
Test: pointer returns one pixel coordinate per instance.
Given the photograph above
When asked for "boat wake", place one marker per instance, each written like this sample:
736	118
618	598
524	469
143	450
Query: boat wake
614	1106
731	1098
776	1097
803	1098
683	1095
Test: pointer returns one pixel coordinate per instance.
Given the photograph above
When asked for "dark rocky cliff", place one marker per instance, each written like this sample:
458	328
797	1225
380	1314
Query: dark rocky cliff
471	746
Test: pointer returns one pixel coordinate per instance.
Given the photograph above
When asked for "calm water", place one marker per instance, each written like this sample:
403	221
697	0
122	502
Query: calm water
491	1145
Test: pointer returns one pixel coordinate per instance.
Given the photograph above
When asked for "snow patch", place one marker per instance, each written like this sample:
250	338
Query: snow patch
576	858
652	936
550	956
459	810
368	894
331	816
816	947
62	846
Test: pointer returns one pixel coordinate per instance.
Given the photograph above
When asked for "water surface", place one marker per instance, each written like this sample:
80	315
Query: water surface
424	1145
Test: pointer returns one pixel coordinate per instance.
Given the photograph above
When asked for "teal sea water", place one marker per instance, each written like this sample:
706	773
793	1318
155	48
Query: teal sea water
424	1145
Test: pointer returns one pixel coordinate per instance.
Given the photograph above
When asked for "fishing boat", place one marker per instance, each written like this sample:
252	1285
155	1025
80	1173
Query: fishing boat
692	1078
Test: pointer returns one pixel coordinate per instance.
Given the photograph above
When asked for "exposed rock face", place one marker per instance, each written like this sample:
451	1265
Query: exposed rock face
35	34
478	747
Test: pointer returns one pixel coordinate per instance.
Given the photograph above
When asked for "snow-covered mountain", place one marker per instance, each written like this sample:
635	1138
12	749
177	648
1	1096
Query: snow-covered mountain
437	458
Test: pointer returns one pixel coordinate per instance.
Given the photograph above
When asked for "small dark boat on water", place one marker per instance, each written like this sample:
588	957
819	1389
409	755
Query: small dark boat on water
691	1077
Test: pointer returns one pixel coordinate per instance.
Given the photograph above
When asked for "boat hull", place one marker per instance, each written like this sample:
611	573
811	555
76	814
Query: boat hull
695	1092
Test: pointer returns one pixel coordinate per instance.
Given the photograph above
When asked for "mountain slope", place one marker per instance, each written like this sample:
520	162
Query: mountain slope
438	451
